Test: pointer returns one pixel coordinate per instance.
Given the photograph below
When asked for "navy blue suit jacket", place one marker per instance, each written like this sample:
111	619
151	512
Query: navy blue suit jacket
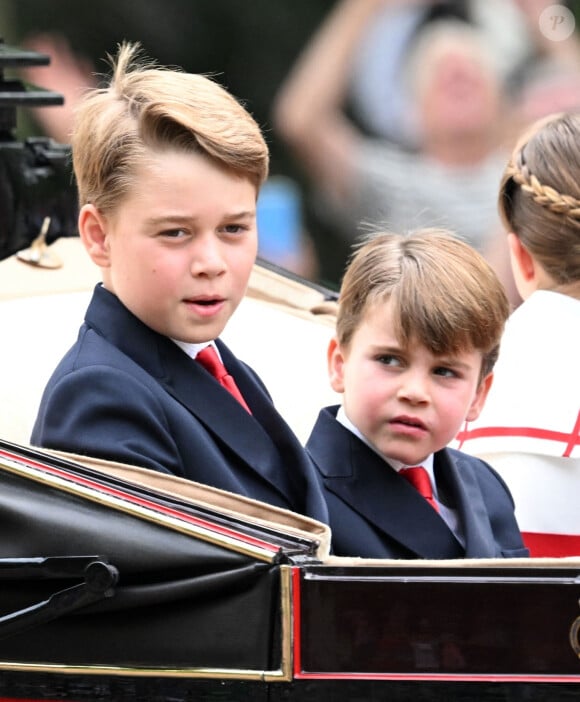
126	393
376	513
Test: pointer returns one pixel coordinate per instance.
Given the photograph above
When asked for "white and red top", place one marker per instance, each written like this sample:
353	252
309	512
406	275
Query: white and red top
529	429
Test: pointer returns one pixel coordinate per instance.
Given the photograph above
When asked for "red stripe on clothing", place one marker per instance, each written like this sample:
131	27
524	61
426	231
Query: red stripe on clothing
551	545
574	439
570	439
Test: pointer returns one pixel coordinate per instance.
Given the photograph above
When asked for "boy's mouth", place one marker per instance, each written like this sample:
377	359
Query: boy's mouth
206	301
205	306
408	422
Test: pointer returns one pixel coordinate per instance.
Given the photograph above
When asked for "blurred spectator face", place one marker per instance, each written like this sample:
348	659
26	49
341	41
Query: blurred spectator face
458	93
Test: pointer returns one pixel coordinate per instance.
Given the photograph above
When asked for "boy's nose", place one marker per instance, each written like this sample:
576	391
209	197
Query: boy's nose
207	257
414	387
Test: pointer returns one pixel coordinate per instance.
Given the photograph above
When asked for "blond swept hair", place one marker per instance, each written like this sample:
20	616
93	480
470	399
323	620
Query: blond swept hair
445	295
539	197
146	108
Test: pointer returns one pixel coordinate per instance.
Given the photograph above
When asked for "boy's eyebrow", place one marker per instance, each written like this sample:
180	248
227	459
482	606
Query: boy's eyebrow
163	219
389	347
183	219
240	215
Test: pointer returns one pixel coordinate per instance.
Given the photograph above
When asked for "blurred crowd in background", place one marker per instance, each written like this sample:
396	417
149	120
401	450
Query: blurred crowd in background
403	120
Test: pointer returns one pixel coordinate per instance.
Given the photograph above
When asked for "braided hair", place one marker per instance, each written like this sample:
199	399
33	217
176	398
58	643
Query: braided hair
539	197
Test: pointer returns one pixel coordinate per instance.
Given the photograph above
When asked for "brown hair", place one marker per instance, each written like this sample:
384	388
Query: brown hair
445	295
146	107
539	197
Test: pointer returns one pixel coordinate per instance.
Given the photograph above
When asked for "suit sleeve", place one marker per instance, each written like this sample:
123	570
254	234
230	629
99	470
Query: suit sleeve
107	413
502	516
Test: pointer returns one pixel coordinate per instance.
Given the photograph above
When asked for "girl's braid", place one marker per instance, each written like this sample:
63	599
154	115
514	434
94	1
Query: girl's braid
544	195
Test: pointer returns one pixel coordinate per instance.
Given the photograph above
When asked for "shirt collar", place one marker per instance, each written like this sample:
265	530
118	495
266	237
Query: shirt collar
396	465
193	349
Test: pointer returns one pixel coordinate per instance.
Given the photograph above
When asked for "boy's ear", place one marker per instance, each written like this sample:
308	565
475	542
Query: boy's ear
335	365
480	397
93	233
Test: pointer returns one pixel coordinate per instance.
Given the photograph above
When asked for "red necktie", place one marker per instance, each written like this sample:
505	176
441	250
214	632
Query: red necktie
210	361
419	479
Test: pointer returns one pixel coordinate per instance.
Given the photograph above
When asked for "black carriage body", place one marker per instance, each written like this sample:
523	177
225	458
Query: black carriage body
111	589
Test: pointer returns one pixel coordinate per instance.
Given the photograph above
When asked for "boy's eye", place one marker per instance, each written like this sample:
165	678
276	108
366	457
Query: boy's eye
234	228
388	359
174	233
445	372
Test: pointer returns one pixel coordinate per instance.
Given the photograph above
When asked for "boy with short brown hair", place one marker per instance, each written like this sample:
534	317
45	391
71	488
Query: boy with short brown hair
168	167
418	331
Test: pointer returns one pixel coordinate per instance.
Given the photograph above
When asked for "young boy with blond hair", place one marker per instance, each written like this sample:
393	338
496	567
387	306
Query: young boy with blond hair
417	335
168	167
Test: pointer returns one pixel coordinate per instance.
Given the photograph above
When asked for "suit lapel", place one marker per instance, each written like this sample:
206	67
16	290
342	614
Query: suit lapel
459	473
362	479
224	417
191	385
291	466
